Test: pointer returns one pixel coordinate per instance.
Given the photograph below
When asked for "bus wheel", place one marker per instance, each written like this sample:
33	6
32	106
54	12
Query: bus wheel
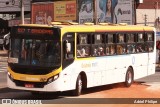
78	89
129	77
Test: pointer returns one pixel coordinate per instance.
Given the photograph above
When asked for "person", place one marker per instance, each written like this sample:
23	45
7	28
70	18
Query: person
66	49
95	52
107	51
24	51
114	6
112	50
82	52
108	11
41	51
100	51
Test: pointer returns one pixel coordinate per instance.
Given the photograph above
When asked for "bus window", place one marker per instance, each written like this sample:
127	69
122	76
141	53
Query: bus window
130	38
83	38
150	37
120	38
16	47
98	50
110	49
83	45
83	51
97	45
140	37
97	39
121	45
131	48
150	41
121	49
140	47
150	47
110	38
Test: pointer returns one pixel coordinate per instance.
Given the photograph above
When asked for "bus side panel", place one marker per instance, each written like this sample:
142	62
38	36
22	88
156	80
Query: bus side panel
122	63
140	65
69	76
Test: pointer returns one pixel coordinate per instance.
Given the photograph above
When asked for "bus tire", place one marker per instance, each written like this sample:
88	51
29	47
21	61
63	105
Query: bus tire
78	89
129	77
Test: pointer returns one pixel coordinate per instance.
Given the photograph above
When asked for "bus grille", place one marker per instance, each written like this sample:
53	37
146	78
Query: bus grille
31	71
35	84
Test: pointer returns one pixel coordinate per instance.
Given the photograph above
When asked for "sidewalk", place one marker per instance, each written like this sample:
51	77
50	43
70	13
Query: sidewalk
3	56
152	80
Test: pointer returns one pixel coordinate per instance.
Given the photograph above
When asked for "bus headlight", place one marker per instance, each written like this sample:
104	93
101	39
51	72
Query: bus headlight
53	78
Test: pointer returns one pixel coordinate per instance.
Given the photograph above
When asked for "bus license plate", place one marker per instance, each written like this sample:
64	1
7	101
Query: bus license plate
29	85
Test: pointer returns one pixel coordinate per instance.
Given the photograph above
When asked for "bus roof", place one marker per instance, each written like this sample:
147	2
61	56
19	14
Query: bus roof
89	27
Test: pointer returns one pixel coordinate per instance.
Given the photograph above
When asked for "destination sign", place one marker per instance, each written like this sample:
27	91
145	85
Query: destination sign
34	31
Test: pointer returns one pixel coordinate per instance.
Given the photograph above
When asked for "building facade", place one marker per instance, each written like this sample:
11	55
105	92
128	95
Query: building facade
147	12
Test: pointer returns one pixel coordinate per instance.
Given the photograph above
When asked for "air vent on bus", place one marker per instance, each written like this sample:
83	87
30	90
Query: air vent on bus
87	23
64	23
103	24
56	23
122	24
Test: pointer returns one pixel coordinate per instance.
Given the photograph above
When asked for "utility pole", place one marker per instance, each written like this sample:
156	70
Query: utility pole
145	20
22	11
156	13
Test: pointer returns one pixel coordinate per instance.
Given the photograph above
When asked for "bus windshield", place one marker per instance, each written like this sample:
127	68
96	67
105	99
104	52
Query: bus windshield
35	52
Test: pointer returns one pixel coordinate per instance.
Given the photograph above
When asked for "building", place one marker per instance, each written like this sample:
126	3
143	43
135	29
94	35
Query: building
147	12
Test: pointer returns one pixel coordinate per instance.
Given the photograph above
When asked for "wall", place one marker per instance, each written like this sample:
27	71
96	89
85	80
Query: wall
148	8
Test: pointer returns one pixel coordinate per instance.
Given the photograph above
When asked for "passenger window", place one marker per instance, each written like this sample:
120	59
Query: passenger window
131	48
97	39
149	37
150	42
83	38
130	38
141	37
110	50
150	47
110	38
121	49
120	38
98	50
83	51
141	48
83	45
98	45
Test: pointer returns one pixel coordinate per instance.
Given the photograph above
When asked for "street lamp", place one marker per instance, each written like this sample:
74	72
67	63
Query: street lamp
22	11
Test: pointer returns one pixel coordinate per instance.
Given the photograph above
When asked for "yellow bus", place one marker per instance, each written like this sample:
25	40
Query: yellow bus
68	56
